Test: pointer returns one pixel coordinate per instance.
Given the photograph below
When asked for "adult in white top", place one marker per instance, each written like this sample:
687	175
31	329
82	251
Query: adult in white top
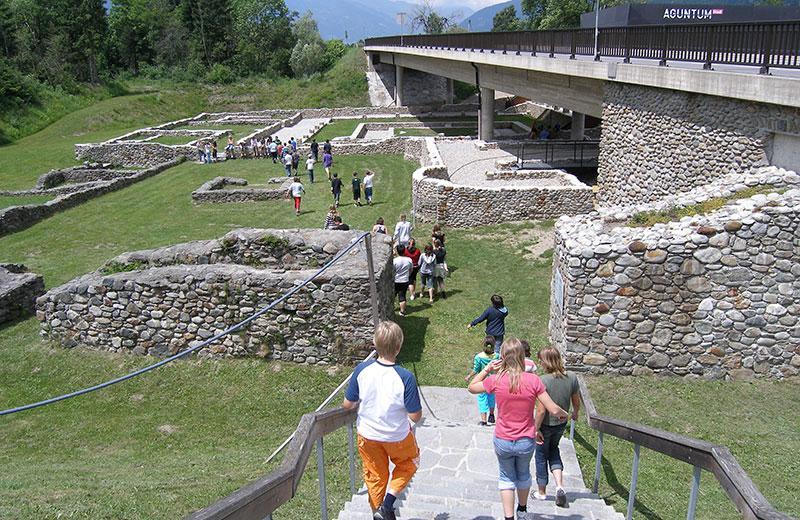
402	273
310	168
297	190
287	163
402	231
369	179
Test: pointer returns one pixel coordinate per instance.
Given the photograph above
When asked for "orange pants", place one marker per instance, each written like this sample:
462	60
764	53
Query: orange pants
376	455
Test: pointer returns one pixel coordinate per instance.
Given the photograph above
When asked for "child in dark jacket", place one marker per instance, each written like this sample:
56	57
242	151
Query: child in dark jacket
494	317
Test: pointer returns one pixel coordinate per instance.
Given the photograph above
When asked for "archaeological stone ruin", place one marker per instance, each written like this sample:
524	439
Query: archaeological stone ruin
161	301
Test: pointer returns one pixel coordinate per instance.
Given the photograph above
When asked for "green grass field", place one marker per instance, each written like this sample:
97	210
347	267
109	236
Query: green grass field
178	438
6	201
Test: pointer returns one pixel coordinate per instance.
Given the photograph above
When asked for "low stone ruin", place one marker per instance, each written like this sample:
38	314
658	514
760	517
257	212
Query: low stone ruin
214	190
18	291
69	188
164	300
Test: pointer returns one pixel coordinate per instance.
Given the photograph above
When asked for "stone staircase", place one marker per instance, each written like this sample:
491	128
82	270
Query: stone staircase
457	479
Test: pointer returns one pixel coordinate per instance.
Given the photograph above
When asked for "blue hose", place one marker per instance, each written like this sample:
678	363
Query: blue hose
191	349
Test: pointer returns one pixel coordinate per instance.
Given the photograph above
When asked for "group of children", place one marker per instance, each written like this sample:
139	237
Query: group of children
387	399
368	184
410	261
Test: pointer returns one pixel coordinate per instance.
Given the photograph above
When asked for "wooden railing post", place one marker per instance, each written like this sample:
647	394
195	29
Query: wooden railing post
598	463
373	284
323	492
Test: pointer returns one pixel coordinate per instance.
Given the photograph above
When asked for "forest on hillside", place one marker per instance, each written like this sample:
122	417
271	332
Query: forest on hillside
68	44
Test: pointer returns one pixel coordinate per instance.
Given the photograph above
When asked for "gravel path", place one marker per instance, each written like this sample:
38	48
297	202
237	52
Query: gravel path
300	131
468	165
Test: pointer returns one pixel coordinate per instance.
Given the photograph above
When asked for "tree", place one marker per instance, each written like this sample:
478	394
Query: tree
430	21
308	55
7	46
209	25
506	20
265	34
532	11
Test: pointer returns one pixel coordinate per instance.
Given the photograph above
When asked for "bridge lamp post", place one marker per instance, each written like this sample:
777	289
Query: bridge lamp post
596	29
401	19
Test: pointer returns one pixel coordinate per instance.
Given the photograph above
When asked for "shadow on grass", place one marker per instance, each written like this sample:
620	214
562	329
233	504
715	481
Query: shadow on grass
414	328
620	490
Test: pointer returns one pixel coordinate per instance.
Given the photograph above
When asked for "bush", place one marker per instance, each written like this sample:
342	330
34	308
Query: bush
15	88
220	75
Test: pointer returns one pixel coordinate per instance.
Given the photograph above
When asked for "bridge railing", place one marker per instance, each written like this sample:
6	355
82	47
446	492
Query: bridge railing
702	455
762	44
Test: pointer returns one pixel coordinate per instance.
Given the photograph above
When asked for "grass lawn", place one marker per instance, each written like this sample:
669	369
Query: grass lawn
178	438
238	131
759	421
425	132
6	201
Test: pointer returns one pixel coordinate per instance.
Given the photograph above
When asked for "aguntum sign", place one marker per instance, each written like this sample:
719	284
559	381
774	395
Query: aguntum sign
680	13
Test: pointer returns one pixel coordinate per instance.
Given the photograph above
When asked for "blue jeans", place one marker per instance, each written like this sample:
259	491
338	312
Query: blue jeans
288	168
311	175
498	342
548	453
514	459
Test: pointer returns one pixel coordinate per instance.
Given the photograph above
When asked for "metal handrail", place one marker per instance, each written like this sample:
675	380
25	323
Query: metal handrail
701	455
759	44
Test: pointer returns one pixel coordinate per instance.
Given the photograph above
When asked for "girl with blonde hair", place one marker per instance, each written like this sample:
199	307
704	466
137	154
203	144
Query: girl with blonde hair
516	393
562	387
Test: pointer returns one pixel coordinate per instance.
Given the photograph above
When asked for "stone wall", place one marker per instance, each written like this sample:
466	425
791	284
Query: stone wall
143	155
16	218
18	291
711	295
214	191
436	199
180	295
419	88
657	142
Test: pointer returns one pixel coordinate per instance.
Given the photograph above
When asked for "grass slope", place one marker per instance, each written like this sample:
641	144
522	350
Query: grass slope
153	102
759	421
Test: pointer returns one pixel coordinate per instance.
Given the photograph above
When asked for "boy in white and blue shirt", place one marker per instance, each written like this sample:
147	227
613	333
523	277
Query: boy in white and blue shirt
388	404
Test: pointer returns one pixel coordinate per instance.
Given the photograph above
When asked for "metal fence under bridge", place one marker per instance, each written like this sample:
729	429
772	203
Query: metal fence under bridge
763	44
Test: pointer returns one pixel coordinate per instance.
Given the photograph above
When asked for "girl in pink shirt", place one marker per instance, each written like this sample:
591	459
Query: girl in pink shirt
516	392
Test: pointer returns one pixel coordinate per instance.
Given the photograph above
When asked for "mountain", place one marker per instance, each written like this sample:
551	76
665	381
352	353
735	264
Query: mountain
364	18
360	18
482	19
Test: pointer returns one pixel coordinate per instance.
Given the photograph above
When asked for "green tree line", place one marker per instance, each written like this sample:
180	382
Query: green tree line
68	43
548	14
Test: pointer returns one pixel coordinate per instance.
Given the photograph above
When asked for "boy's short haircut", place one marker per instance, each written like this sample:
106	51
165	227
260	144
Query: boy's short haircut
497	300
488	345
388	338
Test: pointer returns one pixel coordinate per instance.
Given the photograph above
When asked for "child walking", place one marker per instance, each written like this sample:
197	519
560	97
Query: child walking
297	190
388	404
495	317
481	361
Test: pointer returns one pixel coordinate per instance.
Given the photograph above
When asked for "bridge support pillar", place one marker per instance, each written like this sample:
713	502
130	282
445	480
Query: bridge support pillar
578	125
486	116
398	85
450	92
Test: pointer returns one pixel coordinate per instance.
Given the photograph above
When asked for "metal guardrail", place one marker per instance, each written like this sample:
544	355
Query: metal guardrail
558	152
762	44
701	455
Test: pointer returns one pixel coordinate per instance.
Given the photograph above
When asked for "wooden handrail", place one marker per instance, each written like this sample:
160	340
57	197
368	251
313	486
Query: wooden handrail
711	457
261	497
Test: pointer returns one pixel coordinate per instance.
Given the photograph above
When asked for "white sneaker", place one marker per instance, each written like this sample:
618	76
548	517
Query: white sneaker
537	496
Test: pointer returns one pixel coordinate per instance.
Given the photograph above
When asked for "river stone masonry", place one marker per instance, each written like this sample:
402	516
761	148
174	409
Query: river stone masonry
161	301
214	190
714	296
18	291
657	142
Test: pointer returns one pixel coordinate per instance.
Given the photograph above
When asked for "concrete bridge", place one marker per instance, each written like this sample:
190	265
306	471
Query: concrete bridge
679	104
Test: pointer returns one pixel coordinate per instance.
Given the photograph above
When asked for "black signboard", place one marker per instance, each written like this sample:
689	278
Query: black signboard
667	14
